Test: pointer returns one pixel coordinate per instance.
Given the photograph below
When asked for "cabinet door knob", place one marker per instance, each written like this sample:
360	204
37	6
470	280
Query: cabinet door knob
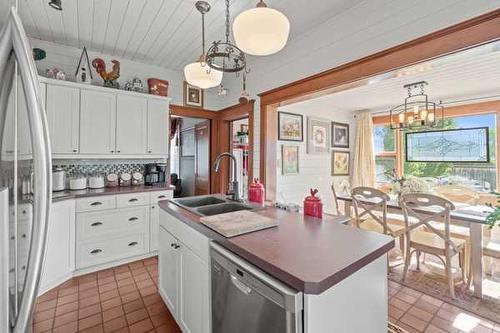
97	203
118	151
75	150
132	244
133	218
96	224
96	251
152	207
112	151
149	151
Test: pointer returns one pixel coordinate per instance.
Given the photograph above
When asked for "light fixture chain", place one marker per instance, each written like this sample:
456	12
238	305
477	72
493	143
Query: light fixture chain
203	32
227	21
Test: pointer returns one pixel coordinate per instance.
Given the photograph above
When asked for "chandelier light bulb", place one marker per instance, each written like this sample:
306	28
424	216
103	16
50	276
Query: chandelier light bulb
261	31
202	76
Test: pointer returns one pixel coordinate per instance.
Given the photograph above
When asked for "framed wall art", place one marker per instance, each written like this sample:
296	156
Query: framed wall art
289	160
340	163
318	136
290	127
340	135
193	96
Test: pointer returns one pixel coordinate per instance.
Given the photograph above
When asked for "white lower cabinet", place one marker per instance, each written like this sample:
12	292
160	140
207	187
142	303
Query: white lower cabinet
184	280
156	197
59	262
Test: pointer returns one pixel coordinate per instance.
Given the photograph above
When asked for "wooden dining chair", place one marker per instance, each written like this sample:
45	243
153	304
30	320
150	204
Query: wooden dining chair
419	211
370	212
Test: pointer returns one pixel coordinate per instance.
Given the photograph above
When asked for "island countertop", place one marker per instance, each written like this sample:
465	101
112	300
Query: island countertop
305	253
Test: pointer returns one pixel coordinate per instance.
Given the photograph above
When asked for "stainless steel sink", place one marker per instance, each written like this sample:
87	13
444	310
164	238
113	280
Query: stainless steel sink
208	205
199	201
223	208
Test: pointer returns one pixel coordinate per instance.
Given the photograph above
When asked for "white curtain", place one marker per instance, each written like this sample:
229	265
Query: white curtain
364	158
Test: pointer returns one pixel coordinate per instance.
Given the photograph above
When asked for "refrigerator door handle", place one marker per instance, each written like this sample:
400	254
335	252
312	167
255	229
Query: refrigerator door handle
14	39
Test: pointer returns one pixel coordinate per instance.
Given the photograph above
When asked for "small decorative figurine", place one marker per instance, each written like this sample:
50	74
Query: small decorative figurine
55	73
83	72
109	78
39	54
135	85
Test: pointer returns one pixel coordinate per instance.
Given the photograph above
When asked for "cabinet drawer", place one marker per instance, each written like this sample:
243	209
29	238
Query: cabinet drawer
100	224
95	203
161	195
91	253
133	199
194	240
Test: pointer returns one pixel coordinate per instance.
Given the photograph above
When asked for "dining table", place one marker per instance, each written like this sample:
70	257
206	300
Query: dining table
471	217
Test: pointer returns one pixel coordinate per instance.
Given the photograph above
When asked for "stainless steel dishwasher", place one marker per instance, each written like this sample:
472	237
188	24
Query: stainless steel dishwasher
246	300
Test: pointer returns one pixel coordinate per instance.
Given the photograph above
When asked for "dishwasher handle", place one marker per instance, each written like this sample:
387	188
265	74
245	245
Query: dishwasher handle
240	285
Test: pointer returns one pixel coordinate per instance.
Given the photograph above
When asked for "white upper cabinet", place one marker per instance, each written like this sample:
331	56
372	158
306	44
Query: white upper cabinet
131	125
63	115
158	127
97	122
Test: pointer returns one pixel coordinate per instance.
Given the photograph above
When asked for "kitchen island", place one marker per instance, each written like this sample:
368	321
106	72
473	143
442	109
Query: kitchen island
340	271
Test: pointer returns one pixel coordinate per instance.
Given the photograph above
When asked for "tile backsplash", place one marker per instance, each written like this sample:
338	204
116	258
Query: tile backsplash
102	166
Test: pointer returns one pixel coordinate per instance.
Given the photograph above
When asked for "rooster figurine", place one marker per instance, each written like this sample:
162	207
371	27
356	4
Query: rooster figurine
109	78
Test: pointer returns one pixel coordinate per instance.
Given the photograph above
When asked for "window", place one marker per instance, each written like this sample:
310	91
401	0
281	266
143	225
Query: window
481	176
384	140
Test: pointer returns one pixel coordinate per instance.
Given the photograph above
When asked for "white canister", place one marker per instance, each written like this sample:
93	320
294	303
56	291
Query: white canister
96	180
77	181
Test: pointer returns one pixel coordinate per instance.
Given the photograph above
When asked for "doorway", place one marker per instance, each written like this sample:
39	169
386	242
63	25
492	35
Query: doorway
190	157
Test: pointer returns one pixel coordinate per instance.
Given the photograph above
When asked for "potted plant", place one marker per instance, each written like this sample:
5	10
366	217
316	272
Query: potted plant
494	217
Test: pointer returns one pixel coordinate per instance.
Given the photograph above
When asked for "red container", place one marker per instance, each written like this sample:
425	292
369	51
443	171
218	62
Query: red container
313	205
256	192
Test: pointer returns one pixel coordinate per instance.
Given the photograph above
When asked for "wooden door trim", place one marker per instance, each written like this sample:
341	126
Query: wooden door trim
479	30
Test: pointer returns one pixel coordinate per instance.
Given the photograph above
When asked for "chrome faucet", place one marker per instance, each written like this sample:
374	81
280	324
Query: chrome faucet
234	182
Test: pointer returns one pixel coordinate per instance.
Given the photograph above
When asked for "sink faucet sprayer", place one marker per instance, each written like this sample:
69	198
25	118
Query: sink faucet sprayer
234	182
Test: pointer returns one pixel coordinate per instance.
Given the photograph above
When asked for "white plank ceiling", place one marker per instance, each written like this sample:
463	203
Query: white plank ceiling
461	78
161	32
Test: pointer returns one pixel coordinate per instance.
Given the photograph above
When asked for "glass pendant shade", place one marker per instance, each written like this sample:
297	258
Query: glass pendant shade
261	31
202	76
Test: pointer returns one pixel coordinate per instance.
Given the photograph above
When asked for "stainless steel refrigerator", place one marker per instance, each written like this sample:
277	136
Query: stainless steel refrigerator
25	178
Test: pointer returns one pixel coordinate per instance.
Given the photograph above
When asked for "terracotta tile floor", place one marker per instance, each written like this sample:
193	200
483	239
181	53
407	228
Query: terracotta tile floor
126	299
121	299
418	312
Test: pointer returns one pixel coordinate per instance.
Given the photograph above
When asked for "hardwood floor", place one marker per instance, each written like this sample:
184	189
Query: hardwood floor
121	299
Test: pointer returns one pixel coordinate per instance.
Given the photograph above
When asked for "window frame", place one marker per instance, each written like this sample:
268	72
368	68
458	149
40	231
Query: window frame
476	109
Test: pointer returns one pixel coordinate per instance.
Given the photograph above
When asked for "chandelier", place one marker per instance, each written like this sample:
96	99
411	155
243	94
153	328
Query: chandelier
198	73
416	111
224	56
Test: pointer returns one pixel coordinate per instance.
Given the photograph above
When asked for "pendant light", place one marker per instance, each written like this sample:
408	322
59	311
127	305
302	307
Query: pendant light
198	73
417	112
261	31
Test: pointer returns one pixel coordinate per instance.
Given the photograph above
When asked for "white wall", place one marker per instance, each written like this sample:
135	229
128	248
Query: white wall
66	58
367	28
314	170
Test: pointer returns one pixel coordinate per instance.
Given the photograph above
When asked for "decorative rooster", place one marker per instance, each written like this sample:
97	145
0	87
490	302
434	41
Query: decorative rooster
109	78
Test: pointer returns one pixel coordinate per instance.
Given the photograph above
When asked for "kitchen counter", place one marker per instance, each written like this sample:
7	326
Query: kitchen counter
65	195
305	253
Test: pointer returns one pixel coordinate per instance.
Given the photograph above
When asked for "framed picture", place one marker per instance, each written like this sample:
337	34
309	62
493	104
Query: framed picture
340	135
290	127
340	163
318	136
289	160
193	96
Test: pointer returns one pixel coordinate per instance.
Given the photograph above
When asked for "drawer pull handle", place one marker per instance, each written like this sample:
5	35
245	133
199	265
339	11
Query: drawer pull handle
133	218
133	200
96	224
161	197
96	251
133	244
97	203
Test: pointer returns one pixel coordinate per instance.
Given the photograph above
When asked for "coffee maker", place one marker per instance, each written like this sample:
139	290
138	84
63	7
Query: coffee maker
155	173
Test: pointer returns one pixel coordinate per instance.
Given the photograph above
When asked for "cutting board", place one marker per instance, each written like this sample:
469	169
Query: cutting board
237	223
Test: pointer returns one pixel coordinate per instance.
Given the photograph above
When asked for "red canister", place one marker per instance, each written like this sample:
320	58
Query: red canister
313	205
256	192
